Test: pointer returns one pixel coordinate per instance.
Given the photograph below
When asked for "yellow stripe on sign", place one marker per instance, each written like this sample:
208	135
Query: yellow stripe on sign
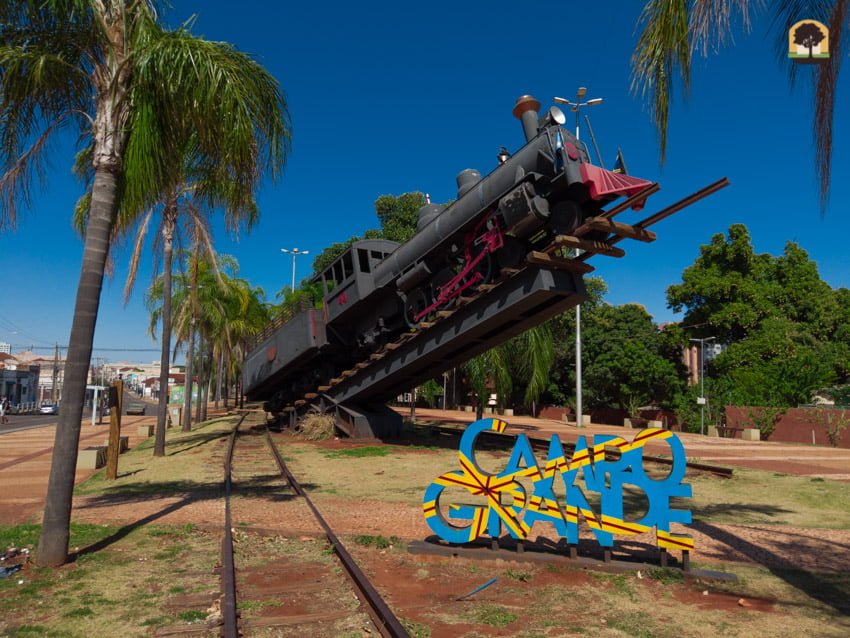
479	523
674	541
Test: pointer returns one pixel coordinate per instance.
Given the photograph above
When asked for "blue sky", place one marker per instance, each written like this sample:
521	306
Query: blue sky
389	98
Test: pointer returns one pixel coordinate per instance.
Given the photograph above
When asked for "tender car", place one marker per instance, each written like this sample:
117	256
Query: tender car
49	408
136	409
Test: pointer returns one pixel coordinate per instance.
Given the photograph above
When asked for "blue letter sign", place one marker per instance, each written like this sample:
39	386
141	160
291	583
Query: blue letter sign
502	501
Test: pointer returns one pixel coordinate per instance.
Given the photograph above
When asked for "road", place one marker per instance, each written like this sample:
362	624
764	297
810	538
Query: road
18	422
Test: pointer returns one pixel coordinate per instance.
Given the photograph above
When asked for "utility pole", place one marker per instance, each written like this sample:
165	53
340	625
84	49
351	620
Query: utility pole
55	374
575	106
702	382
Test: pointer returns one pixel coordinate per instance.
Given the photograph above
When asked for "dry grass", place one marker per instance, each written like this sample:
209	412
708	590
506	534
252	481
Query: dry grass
317	427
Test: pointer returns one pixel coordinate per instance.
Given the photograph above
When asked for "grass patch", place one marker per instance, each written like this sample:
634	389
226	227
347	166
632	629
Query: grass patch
378	542
666	575
192	616
359	452
79	612
415	629
522	577
494	615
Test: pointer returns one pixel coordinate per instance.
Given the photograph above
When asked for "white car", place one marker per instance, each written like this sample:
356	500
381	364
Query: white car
49	408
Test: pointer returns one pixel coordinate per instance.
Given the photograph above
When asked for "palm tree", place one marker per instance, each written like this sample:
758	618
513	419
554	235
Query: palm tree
527	358
673	30
212	301
106	70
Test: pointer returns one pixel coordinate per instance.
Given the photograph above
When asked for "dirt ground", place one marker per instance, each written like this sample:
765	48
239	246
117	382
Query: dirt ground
426	589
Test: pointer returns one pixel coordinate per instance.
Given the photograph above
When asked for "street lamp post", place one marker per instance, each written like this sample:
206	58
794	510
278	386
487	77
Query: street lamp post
575	107
702	381
294	252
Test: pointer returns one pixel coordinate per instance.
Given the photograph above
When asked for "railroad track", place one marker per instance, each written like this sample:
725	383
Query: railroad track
302	595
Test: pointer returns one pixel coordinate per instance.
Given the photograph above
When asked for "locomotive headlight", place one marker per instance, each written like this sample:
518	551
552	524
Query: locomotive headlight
557	115
554	116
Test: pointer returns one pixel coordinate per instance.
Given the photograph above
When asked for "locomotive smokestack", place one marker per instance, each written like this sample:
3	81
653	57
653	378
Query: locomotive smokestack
525	110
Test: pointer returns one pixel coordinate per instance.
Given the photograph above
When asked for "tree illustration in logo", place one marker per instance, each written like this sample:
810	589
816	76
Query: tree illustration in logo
808	35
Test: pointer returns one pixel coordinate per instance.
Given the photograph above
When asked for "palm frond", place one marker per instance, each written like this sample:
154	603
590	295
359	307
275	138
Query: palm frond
711	21
661	50
825	88
135	258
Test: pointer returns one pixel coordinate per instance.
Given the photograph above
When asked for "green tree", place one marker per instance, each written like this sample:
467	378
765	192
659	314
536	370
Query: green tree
672	30
106	69
785	328
398	215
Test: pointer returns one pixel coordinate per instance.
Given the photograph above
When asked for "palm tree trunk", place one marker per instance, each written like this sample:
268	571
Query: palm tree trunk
218	376
168	224
55	531
207	385
187	398
200	374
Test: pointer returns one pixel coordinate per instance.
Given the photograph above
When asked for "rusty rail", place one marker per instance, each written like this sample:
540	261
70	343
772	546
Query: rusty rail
383	617
229	628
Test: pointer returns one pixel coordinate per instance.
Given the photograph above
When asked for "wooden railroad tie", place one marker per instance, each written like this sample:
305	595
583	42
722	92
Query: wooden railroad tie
324	388
588	246
615	228
559	263
445	314
311	395
486	287
507	272
377	356
362	365
393	345
348	373
336	380
300	402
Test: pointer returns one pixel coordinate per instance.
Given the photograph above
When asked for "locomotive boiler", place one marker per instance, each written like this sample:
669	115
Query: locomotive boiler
378	289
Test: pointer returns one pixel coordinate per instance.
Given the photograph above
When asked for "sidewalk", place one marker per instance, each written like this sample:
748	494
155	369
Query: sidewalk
788	458
25	458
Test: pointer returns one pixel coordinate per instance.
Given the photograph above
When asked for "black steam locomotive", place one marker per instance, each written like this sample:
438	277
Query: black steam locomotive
378	289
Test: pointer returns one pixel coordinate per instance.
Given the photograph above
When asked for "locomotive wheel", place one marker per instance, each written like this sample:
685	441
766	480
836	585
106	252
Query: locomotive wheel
441	279
483	268
416	302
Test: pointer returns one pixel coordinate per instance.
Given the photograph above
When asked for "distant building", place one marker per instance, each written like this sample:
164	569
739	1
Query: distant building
5	348
19	383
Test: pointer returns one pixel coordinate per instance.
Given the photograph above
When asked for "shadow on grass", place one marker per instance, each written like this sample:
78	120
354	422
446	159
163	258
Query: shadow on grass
189	492
831	589
738	510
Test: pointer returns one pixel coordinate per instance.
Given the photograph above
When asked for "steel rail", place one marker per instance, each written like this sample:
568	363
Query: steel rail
666	212
229	628
631	201
383	617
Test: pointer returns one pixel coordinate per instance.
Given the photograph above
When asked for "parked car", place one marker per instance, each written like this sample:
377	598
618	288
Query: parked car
49	408
136	408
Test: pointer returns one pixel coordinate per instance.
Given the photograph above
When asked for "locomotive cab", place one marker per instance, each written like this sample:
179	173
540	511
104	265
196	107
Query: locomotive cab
349	278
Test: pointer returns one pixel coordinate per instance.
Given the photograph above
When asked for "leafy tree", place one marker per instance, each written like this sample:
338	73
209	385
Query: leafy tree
623	355
398	215
107	70
785	328
672	30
